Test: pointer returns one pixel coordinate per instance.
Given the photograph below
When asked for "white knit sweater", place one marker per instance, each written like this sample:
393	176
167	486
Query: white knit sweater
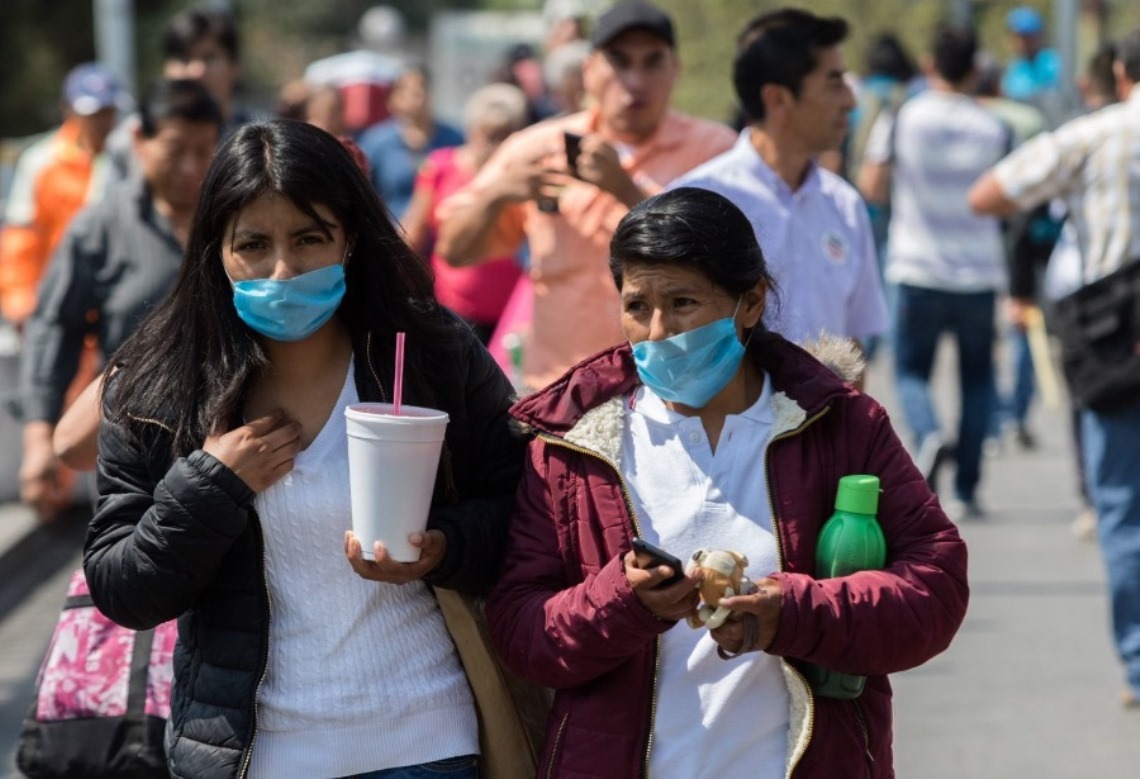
362	675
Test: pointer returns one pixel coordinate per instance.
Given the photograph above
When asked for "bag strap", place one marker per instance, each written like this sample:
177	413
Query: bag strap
140	672
78	602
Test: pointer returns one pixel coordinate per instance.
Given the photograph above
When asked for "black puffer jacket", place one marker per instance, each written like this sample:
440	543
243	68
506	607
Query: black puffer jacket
181	539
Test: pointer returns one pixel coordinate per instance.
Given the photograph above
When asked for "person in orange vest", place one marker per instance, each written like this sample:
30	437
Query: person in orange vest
55	177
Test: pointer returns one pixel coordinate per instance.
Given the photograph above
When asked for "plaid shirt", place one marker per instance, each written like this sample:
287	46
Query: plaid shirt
1093	164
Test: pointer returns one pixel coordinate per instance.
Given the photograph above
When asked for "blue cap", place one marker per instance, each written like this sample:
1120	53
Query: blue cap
90	88
1024	21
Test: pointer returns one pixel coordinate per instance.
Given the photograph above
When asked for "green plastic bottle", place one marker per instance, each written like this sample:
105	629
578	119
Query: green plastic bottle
851	540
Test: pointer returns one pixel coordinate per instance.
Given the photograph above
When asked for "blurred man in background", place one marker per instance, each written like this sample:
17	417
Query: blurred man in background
948	262
789	75
1093	163
116	261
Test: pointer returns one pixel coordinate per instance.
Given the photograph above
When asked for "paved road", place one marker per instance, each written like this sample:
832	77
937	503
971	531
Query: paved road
1029	688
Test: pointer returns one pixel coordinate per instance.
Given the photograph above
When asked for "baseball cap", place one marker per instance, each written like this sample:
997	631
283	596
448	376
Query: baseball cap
1024	21
632	15
90	88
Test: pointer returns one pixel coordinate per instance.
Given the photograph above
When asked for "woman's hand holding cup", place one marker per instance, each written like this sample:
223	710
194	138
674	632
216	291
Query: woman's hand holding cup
432	544
260	452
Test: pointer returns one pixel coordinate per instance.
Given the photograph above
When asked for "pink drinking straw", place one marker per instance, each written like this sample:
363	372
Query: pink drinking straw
398	389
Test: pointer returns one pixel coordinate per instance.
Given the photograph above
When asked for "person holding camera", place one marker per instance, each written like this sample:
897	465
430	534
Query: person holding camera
566	205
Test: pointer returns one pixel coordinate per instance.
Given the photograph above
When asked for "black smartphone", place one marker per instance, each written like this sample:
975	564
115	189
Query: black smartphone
573	149
658	556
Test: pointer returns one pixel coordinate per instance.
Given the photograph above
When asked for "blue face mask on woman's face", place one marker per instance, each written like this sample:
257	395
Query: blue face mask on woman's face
691	368
290	309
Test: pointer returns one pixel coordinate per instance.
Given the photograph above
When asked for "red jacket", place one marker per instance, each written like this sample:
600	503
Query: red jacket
564	616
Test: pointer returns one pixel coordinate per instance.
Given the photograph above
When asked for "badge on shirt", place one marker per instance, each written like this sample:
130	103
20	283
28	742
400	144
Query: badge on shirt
834	247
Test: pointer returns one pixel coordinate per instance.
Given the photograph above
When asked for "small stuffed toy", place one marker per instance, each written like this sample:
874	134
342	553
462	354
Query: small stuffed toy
722	576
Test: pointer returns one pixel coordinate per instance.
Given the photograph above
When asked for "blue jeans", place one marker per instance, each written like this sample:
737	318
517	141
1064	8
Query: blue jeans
1112	450
1014	407
921	316
464	767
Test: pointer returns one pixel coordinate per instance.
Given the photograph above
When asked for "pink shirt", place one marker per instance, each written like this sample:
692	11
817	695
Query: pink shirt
477	293
576	305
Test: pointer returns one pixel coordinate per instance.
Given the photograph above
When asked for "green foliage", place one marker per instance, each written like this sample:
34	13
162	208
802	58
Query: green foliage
38	52
281	37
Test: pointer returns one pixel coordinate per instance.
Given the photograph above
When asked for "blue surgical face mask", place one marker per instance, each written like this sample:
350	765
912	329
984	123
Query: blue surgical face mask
290	309
691	368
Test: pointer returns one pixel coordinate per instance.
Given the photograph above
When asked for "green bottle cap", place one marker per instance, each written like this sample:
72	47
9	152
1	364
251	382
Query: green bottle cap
858	494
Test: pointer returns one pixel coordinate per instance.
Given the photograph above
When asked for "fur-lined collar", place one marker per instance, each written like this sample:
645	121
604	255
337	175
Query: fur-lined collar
601	428
585	406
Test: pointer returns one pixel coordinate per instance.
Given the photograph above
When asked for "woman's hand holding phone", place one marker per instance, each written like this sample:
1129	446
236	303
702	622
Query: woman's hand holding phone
653	576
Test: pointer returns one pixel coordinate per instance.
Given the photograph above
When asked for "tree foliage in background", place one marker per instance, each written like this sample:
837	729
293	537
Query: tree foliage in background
37	52
41	40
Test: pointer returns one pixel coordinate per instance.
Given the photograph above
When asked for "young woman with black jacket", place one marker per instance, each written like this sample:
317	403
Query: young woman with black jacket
224	490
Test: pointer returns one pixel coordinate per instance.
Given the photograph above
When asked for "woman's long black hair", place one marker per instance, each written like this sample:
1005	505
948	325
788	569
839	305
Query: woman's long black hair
190	361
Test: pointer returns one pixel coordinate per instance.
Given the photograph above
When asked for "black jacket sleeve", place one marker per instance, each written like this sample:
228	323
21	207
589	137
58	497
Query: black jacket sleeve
157	541
487	461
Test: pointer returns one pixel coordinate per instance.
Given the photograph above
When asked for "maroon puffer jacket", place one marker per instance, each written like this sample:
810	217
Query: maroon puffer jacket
564	616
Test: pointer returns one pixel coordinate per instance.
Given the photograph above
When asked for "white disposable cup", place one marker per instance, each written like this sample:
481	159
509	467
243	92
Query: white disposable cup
392	461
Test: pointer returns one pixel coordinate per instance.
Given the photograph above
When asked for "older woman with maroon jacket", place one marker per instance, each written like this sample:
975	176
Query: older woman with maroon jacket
708	431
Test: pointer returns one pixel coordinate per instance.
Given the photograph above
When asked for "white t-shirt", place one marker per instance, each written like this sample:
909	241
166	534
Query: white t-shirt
938	146
362	675
816	240
715	718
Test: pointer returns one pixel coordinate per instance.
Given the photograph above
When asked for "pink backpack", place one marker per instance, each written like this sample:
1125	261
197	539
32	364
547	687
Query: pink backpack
102	697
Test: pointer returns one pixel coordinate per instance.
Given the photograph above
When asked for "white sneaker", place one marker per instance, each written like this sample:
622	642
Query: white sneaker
963	510
932	454
1084	526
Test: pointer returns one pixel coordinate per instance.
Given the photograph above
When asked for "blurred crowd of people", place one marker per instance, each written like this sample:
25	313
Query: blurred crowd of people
947	194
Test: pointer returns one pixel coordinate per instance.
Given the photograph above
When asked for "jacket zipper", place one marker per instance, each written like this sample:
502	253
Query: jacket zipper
556	441
866	737
794	759
265	665
557	744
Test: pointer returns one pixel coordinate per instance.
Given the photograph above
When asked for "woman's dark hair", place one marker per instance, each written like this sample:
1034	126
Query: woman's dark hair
780	47
693	228
177	99
190	361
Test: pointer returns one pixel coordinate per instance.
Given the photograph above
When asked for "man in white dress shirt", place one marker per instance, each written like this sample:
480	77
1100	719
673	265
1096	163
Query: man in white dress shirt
789	74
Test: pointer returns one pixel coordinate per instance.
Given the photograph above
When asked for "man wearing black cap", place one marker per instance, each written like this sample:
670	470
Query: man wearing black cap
566	204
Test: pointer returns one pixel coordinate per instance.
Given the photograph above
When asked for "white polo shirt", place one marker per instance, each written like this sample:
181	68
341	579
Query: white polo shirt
713	718
816	240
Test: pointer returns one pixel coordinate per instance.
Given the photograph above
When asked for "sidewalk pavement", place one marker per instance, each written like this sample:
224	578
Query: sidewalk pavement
1028	689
